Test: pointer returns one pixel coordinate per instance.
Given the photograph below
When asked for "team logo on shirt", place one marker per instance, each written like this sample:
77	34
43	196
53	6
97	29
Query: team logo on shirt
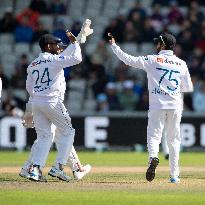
160	60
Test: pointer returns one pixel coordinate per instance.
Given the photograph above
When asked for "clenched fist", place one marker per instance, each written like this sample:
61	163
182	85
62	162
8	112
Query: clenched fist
112	39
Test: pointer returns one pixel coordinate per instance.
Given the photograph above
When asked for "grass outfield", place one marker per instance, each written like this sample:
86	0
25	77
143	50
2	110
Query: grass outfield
116	178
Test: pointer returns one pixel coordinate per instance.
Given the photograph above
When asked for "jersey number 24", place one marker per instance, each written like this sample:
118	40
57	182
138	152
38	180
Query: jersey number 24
42	79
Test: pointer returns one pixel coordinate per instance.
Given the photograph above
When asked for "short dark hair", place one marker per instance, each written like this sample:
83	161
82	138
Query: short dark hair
167	39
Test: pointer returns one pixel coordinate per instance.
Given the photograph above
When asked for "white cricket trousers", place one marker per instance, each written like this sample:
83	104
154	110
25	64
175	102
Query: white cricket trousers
73	160
44	114
170	121
165	148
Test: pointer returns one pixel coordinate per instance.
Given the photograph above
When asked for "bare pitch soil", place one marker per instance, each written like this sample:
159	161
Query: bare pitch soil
109	178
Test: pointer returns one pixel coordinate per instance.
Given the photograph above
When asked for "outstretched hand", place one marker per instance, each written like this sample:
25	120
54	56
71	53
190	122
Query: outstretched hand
112	39
71	37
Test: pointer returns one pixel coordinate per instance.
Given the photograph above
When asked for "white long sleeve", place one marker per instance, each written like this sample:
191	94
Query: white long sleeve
168	77
137	62
71	56
68	51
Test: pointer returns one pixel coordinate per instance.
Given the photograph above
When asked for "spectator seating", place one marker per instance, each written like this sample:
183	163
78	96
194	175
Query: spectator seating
76	94
6	38
20	48
101	12
47	21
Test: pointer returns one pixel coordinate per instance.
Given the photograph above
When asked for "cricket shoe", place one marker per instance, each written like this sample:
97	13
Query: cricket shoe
150	174
24	173
85	31
80	174
166	157
60	174
174	180
36	175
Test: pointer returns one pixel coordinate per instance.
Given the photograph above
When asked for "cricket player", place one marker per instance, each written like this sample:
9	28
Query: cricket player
168	77
44	82
79	171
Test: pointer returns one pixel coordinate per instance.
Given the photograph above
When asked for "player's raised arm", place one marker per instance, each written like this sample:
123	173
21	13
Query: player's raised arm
137	62
67	59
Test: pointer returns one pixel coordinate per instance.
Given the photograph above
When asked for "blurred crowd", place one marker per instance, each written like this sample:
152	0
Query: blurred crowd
115	88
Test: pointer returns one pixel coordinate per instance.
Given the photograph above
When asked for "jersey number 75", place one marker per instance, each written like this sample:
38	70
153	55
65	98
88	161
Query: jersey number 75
170	73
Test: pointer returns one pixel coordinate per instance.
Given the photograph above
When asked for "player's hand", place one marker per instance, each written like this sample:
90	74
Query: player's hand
112	39
27	120
71	37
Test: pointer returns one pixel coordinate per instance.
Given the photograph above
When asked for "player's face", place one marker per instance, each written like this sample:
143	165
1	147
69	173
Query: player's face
53	48
60	50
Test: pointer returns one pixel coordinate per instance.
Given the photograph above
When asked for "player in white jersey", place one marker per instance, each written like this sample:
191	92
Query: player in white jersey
168	77
79	171
44	83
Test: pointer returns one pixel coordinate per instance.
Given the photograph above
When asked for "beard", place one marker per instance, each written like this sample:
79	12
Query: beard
54	52
158	49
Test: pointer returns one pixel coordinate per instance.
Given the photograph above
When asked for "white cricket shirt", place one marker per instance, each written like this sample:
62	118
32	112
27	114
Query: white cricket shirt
45	76
168	77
